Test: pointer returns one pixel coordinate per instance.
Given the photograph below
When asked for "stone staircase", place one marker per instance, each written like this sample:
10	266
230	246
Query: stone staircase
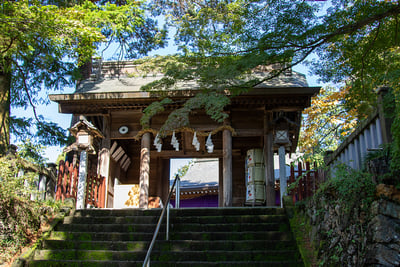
198	237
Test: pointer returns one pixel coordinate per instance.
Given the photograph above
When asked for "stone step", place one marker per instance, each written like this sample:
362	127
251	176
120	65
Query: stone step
198	237
117	212
181	212
108	236
112	220
248	235
179	227
141	236
176	245
94	263
229	219
175	219
104	228
227	211
210	256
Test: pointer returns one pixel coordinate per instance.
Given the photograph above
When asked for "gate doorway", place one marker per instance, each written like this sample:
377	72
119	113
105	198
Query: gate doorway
199	181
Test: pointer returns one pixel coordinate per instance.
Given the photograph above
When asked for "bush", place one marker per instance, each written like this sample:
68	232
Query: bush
349	187
341	210
20	217
382	166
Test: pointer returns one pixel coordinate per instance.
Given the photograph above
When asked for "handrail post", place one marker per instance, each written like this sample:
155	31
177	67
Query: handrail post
167	231
146	262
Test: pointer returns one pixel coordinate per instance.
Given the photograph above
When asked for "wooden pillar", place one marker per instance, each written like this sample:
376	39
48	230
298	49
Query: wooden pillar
104	159
269	160
165	180
282	172
144	171
227	168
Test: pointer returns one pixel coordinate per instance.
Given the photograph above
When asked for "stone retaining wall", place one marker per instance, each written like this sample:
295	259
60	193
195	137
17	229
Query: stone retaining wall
361	236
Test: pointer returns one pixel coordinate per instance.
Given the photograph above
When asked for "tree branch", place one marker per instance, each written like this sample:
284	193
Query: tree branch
27	91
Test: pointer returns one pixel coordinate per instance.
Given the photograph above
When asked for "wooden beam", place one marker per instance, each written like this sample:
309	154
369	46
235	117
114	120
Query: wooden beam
269	159
239	133
192	154
249	132
118	154
125	157
126	165
104	157
114	146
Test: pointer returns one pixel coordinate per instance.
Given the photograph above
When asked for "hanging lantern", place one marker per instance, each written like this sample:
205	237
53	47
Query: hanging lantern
209	144
157	143
196	142
174	142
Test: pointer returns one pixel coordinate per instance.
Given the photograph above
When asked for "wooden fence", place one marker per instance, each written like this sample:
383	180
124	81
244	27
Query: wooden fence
67	184
369	136
95	190
304	180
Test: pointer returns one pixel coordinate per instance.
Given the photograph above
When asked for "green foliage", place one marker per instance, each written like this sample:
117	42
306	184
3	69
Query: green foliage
326	123
349	187
153	109
39	131
184	169
336	218
213	103
383	165
20	217
43	43
32	152
301	228
356	44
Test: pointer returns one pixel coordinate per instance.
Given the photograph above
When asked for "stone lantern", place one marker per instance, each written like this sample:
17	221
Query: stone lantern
85	133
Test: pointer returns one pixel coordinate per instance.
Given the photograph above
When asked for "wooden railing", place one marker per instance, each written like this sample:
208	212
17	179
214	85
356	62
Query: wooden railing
95	190
304	180
67	184
67	180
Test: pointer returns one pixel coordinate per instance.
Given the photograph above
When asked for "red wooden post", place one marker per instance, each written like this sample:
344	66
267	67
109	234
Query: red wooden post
61	169
291	181
96	190
75	174
308	179
65	181
70	180
301	180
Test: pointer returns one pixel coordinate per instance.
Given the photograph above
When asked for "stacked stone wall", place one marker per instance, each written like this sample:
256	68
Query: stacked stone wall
360	236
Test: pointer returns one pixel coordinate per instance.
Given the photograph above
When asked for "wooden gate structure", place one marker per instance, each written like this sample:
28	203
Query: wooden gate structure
304	180
67	184
111	99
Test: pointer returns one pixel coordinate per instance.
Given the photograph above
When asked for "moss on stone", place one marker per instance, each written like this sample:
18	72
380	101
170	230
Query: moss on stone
301	227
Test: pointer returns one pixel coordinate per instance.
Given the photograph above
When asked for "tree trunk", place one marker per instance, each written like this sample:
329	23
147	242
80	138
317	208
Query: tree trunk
5	84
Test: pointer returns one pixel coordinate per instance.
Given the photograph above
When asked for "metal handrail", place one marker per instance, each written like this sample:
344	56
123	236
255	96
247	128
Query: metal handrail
146	262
